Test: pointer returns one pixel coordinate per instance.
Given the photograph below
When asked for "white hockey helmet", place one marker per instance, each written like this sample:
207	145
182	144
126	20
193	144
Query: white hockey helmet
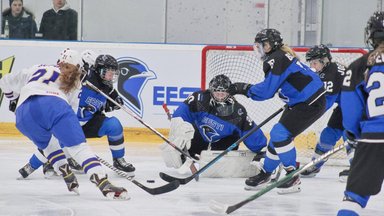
89	58
71	57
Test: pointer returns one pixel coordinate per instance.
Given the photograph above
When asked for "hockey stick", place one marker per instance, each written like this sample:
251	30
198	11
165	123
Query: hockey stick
169	178
227	209
154	191
167	111
193	168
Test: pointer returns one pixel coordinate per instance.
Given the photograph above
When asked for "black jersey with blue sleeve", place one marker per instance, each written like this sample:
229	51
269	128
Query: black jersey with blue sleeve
295	81
203	113
352	99
332	77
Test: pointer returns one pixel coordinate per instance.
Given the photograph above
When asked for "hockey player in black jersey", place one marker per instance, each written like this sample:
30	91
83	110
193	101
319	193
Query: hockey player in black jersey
302	91
363	90
210	119
331	73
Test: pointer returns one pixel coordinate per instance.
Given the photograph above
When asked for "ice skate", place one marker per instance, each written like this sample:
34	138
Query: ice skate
25	171
69	178
258	181
310	172
48	170
122	165
292	186
109	190
75	166
343	175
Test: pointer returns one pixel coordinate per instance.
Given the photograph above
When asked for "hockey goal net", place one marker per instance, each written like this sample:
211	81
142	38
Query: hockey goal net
240	64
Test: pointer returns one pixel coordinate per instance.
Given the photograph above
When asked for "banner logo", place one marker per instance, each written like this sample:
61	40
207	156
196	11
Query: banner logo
5	68
134	74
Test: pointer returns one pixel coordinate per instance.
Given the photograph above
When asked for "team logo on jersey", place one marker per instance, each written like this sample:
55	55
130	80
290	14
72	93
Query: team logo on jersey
134	74
5	68
209	133
271	63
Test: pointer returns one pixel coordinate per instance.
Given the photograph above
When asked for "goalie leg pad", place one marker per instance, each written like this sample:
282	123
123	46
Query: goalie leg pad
171	156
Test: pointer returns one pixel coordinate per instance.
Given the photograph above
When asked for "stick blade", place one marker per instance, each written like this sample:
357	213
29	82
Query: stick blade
169	178
218	207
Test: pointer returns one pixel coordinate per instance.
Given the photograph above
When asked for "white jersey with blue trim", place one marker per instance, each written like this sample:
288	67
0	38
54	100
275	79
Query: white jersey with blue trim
37	80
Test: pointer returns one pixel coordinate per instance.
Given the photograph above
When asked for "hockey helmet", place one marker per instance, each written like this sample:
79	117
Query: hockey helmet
318	52
107	68
71	57
374	31
89	59
272	36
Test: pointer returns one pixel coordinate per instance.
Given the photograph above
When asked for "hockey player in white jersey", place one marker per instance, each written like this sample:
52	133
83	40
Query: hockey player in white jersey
44	113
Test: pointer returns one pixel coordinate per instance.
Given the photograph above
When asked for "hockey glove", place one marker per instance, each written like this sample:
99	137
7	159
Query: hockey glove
87	109
110	106
239	88
13	104
351	139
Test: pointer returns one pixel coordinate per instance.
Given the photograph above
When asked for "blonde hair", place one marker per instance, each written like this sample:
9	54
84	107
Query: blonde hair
378	51
69	77
287	49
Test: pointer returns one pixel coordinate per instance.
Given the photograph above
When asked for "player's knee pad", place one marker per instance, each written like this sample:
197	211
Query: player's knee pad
280	133
111	127
329	136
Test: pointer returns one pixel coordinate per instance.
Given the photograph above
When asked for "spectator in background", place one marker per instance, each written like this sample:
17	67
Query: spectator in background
21	22
60	22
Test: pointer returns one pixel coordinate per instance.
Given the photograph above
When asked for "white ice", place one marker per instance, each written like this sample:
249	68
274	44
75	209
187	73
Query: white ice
38	196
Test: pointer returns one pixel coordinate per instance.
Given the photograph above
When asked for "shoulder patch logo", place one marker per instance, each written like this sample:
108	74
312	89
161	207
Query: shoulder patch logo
271	63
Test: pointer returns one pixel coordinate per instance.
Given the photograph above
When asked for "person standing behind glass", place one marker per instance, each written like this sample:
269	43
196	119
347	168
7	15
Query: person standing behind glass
21	22
60	22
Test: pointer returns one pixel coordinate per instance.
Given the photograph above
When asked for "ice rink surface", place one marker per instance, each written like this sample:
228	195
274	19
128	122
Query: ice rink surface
38	196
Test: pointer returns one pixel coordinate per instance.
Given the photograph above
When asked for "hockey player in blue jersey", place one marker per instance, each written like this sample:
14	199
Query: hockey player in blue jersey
44	115
331	73
363	90
299	88
92	106
210	119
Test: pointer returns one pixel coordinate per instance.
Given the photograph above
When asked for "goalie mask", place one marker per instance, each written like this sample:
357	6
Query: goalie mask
221	100
219	87
374	31
318	57
107	68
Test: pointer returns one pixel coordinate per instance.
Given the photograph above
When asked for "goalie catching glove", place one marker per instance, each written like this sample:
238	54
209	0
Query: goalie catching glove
180	135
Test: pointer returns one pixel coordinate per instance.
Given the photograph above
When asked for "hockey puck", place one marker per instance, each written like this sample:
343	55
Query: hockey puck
151	181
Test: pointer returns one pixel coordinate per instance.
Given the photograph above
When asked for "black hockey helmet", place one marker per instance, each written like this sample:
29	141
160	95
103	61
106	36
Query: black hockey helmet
220	83
318	52
104	63
374	31
270	35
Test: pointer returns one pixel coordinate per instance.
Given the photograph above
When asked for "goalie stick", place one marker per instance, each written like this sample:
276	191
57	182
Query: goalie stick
192	167
169	178
227	209
154	191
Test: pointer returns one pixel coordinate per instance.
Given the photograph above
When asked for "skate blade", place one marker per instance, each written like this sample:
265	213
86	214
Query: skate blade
308	176
255	188
121	196
75	190
293	189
